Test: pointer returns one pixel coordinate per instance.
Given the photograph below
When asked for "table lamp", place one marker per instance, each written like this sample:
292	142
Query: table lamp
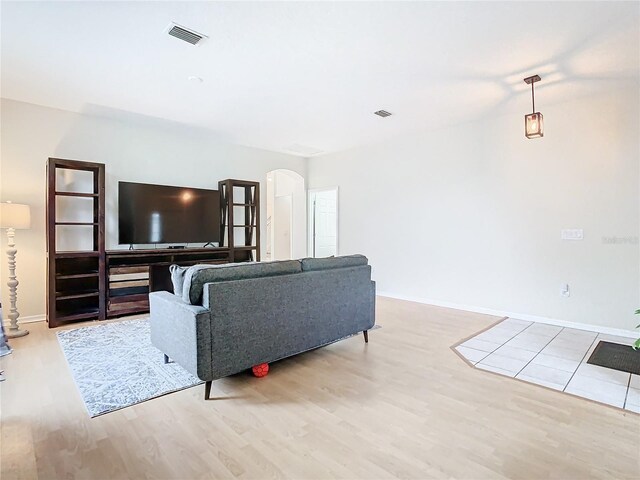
14	216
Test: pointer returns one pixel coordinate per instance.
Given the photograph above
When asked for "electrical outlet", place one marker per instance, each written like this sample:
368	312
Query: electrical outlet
572	234
564	291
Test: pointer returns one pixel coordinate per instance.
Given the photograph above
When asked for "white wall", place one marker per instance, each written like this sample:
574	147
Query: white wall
471	215
151	152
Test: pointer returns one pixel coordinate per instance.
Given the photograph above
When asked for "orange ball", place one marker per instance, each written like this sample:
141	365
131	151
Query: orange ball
260	370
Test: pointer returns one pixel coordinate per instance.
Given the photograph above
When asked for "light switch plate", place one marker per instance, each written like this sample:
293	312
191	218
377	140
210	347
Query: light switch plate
572	234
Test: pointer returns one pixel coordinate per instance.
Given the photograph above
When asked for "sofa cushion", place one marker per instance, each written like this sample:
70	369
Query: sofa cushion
310	264
198	275
177	278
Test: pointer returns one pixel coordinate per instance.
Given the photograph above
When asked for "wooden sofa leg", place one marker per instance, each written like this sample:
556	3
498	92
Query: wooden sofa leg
207	390
366	336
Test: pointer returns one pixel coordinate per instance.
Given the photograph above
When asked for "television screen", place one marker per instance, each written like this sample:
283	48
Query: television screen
163	214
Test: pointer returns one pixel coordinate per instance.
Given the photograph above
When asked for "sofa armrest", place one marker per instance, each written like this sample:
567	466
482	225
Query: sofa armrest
182	332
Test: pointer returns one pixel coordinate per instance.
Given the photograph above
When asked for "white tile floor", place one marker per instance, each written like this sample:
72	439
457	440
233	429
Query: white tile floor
555	357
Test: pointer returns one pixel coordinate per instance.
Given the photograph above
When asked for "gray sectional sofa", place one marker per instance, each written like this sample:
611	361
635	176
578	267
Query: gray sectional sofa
225	319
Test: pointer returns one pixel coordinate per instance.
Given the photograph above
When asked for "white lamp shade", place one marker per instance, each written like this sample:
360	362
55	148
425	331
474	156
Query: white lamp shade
15	215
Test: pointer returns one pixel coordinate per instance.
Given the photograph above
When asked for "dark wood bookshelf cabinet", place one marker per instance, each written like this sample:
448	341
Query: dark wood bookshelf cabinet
240	219
92	283
76	279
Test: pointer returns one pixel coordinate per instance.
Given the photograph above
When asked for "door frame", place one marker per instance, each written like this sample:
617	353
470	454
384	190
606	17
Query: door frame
274	223
311	218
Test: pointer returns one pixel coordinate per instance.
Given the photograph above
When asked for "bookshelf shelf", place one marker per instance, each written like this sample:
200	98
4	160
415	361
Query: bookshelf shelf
77	194
77	223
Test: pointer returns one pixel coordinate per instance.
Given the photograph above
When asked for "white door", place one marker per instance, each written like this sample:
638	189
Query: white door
281	224
324	222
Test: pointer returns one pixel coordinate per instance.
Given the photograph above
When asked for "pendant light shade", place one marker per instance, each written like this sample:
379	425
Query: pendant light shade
533	125
533	122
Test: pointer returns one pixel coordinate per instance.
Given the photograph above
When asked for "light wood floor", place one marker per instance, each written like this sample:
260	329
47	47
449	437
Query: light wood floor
402	406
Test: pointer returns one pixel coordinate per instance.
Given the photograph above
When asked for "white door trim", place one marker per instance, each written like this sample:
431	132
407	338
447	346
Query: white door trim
274	223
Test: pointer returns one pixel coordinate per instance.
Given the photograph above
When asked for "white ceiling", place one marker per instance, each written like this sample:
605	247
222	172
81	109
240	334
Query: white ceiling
280	74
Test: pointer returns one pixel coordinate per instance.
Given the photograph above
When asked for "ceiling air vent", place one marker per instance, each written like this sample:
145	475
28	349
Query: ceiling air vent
185	34
382	113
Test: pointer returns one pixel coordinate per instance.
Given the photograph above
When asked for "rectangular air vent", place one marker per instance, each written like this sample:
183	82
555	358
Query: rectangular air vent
185	34
382	113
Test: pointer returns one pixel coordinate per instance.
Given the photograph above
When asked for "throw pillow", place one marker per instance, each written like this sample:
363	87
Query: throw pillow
177	278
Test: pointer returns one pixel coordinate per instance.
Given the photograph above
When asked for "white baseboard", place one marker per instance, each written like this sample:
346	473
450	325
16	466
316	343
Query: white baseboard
522	316
29	319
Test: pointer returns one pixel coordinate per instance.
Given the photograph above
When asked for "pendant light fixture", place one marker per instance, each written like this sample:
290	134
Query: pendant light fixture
533	124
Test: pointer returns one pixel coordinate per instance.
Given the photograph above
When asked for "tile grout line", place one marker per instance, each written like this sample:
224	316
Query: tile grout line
492	352
540	351
583	357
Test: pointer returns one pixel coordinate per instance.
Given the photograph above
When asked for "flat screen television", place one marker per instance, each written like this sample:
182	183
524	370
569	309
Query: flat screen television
163	214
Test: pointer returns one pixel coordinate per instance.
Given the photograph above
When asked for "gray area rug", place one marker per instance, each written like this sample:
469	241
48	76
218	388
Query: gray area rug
115	365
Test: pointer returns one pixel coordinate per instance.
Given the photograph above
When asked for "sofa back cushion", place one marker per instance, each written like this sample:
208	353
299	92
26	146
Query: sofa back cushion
312	264
198	275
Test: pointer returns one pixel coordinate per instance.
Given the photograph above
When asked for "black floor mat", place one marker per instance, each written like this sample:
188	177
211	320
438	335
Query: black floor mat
616	356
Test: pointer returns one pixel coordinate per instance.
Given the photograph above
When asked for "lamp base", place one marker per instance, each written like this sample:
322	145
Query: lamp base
15	333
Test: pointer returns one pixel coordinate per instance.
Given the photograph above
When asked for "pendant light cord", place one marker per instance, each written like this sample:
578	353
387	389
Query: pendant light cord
533	98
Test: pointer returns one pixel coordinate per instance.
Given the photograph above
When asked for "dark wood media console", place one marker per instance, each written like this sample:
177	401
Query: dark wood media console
92	283
132	274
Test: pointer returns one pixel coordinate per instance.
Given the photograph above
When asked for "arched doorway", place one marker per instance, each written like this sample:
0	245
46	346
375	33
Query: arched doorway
286	216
